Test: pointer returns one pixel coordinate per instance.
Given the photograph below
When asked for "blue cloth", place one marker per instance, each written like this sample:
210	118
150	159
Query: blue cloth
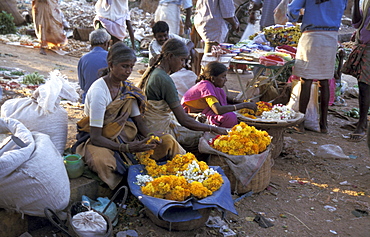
175	211
88	68
324	16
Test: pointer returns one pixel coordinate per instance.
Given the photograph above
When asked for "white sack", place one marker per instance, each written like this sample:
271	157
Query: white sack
43	113
183	79
32	177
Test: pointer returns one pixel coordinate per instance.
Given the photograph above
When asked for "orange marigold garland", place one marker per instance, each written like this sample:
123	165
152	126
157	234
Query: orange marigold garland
242	140
261	107
179	178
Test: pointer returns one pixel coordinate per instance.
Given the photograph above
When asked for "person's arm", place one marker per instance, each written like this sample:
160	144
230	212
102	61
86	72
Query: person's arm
234	23
97	139
356	14
191	124
188	24
294	10
256	5
81	79
131	33
222	109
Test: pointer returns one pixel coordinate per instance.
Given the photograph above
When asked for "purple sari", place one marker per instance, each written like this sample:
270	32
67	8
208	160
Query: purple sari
204	89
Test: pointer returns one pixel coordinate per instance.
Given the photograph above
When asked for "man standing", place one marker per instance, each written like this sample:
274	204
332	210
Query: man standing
317	47
267	16
361	21
114	16
90	63
210	21
170	12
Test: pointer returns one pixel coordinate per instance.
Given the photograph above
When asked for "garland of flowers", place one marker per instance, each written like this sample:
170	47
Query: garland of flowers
178	179
242	140
279	112
261	107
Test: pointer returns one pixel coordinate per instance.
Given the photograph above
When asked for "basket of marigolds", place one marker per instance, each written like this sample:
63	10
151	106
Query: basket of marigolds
271	118
244	154
180	193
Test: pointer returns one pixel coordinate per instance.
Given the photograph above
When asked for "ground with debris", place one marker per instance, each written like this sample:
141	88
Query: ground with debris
309	195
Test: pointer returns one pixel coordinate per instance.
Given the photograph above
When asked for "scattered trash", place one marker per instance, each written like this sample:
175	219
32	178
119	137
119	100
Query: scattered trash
330	151
282	216
243	196
226	231
215	222
127	233
352	156
359	213
262	221
344	183
249	218
333	232
330	208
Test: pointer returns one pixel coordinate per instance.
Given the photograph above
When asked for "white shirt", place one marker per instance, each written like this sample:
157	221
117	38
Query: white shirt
97	99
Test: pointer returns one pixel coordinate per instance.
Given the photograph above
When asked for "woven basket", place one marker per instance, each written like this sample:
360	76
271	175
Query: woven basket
274	129
82	33
185	225
258	183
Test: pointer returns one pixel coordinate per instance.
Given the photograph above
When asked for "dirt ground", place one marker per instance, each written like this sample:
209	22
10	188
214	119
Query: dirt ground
309	195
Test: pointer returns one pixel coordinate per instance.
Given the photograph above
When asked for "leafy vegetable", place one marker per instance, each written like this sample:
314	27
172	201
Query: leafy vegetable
33	78
7	25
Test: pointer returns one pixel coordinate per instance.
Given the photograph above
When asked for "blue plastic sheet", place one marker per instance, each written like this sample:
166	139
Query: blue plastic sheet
175	211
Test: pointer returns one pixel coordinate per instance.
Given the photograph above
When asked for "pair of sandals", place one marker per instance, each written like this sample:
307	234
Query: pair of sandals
354	137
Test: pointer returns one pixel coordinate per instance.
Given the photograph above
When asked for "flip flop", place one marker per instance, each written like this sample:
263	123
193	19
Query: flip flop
356	137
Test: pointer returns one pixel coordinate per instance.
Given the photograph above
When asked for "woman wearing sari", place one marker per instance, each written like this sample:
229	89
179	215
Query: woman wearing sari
48	21
208	97
164	111
113	129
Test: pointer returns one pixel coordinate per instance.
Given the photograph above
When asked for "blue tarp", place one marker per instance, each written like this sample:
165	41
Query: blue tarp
175	211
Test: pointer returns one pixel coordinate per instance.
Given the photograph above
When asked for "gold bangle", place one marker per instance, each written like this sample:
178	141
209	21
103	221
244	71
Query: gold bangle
127	149
150	134
120	147
235	109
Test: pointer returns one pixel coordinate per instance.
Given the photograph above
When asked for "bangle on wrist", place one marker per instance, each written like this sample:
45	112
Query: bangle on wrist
120	147
235	109
127	149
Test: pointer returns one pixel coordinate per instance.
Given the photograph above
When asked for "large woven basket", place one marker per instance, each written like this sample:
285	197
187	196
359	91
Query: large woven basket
185	225
258	183
273	128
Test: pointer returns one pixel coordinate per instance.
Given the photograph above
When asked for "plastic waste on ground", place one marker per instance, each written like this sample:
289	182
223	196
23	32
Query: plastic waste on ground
330	151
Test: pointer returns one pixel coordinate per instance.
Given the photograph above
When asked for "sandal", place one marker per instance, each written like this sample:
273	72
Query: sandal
356	137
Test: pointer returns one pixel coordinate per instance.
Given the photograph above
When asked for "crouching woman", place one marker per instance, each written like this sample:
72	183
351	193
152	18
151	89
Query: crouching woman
112	130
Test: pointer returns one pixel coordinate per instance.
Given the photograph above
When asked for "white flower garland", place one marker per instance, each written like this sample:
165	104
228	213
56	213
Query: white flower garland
194	173
279	112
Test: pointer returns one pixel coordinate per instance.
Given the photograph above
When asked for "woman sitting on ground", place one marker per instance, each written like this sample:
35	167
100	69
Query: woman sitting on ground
113	128
209	98
163	98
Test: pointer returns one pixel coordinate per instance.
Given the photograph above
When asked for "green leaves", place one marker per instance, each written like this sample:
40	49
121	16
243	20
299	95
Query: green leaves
7	25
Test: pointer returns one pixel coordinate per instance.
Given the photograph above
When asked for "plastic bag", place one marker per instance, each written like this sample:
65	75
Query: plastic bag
330	151
248	32
89	223
312	112
280	12
100	205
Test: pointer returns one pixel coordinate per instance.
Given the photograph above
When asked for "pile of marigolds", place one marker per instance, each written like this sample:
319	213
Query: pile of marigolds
178	179
261	107
242	140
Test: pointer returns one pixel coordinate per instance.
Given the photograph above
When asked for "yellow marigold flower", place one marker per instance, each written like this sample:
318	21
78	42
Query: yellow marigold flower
198	190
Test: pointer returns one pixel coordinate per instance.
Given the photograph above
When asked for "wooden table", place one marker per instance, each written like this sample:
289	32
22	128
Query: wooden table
257	77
